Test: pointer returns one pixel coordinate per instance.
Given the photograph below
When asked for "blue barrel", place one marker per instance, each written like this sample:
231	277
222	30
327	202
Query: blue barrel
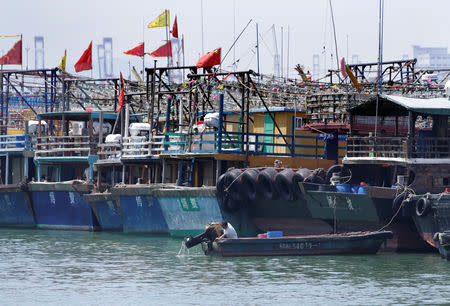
355	188
361	189
275	234
343	188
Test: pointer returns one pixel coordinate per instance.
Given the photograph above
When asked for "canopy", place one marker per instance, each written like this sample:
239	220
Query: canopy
433	106
390	105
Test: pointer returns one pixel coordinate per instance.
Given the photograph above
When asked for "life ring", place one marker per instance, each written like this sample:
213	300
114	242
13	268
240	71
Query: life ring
283	182
423	207
248	184
266	185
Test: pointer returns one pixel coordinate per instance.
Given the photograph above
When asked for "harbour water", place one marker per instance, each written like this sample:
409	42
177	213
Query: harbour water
66	267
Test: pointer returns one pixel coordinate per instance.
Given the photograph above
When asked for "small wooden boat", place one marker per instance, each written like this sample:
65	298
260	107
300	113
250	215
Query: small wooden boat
443	243
345	243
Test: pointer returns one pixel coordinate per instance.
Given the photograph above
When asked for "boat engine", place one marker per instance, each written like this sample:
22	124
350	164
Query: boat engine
212	231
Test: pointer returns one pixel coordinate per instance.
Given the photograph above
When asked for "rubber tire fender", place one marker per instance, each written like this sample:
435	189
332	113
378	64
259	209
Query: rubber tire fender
398	200
248	184
230	205
220	185
283	182
232	181
266	184
423	207
298	177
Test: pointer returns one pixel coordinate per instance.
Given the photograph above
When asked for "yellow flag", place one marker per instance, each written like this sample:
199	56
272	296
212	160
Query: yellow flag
62	65
162	20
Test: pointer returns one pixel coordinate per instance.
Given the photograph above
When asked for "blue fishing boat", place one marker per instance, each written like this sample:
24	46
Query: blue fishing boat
332	244
107	210
141	211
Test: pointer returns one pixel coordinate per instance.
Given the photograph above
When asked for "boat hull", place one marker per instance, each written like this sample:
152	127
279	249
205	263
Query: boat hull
141	211
340	244
15	208
318	212
107	210
61	206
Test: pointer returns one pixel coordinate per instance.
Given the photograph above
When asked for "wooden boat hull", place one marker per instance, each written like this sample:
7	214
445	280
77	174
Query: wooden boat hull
337	244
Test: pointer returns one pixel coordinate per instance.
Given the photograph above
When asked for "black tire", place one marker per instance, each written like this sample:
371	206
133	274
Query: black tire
315	179
283	182
398	200
220	186
345	172
248	184
304	172
232	184
266	185
298	177
230	205
423	207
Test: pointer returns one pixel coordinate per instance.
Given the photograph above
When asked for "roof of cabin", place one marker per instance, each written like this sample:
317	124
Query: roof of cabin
77	115
399	106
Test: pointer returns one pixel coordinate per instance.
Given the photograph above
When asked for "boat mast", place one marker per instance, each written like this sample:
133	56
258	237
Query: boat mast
257	52
380	60
335	40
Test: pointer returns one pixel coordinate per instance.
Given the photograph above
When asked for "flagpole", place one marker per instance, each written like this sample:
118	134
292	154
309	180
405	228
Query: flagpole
143	54
182	47
167	40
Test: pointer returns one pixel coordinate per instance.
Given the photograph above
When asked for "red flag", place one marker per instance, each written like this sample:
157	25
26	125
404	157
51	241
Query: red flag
14	56
162	51
209	59
121	93
85	61
344	73
137	51
174	30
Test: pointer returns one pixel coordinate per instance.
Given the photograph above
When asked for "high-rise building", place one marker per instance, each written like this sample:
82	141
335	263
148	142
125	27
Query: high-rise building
431	57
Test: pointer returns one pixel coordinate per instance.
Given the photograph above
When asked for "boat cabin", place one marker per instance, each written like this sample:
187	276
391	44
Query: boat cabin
409	143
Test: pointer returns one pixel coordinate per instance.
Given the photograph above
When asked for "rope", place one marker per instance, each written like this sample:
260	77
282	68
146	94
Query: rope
409	193
228	187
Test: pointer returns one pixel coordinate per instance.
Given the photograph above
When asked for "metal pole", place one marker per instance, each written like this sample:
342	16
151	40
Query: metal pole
257	52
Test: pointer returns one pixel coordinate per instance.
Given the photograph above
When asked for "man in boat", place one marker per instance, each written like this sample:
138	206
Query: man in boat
228	231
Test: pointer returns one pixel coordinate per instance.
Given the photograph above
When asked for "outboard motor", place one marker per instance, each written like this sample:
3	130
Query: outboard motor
213	230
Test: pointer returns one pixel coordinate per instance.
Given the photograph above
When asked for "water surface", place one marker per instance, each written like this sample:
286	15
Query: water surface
68	267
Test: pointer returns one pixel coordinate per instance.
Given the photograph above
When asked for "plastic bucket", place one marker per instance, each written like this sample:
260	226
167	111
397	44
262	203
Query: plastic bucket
343	188
275	234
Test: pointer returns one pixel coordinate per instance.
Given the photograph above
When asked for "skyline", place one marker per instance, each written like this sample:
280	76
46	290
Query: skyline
72	26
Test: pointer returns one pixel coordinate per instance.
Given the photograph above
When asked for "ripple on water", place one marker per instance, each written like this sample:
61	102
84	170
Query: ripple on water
56	267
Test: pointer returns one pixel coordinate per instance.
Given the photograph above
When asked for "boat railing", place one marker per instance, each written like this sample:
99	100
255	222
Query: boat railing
64	146
398	147
18	142
109	151
237	143
142	147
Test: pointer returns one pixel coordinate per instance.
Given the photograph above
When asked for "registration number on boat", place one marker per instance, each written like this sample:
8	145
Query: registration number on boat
298	245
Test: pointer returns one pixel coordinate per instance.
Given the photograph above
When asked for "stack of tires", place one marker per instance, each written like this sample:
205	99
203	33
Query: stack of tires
238	186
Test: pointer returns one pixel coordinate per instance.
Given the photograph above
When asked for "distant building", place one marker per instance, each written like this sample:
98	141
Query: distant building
431	57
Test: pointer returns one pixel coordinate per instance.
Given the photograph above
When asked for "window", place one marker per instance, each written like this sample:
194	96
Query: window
298	123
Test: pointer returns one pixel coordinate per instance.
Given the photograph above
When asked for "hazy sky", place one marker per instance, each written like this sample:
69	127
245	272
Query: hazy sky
73	24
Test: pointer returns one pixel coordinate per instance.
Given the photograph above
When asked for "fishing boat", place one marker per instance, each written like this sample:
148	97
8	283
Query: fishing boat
333	244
